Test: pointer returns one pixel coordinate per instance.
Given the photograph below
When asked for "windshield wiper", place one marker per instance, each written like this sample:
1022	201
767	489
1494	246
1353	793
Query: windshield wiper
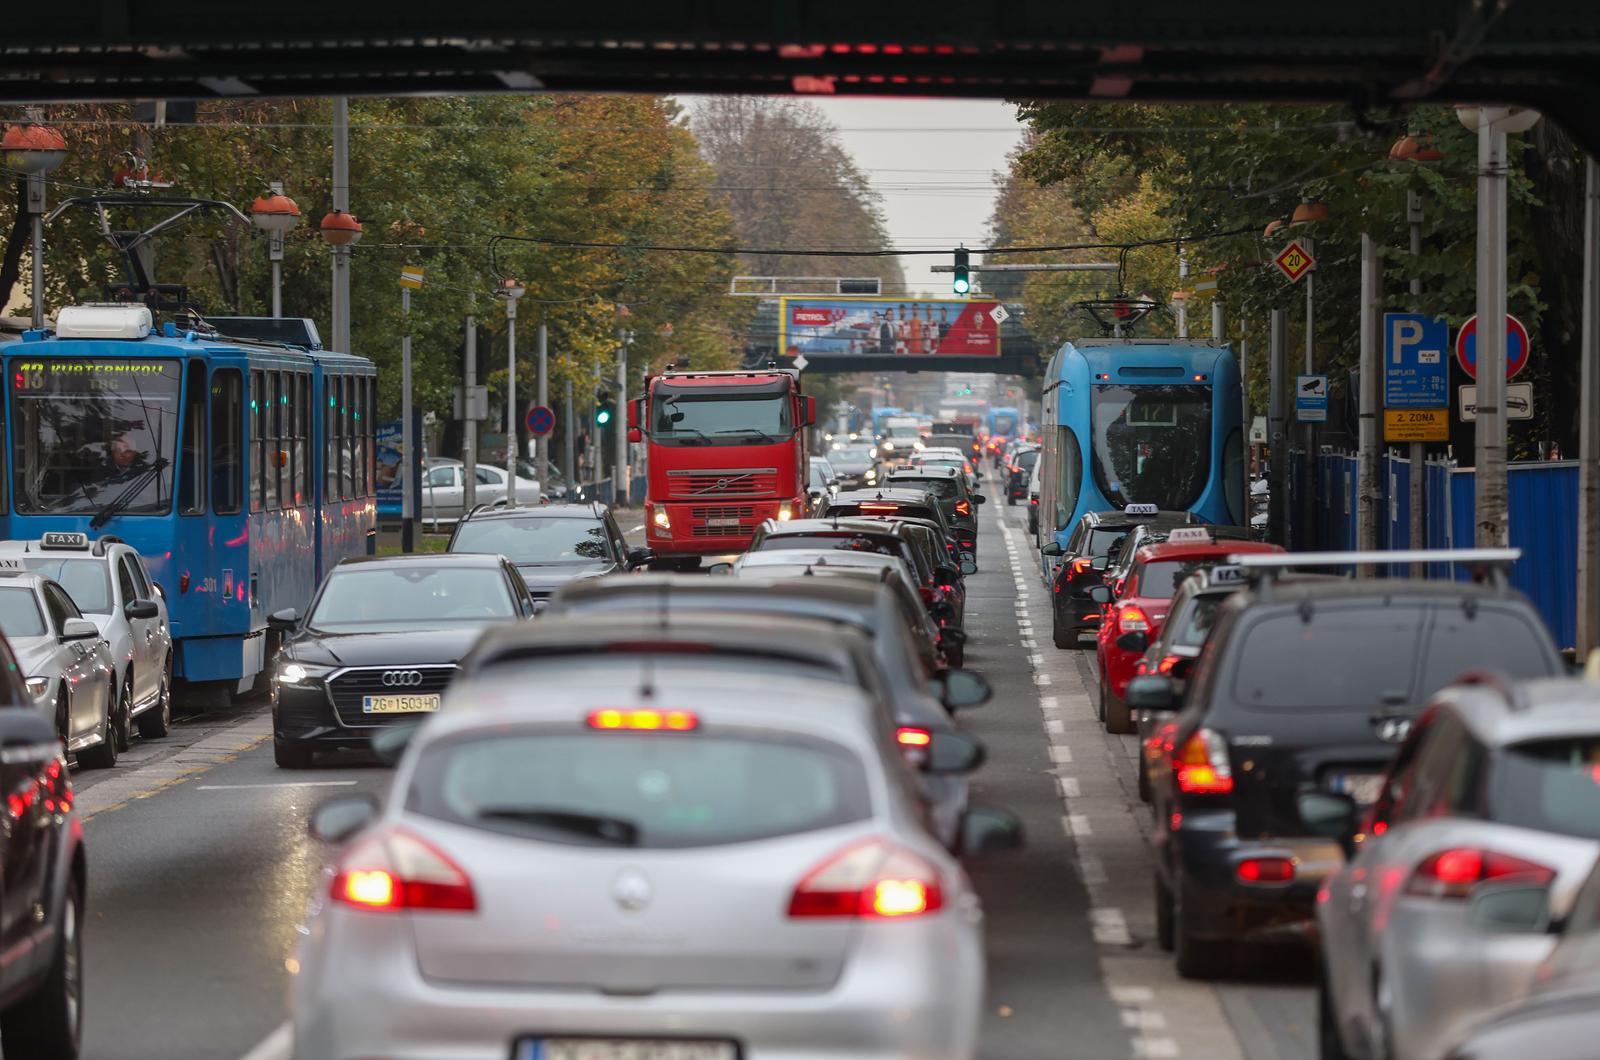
765	437
614	831
129	492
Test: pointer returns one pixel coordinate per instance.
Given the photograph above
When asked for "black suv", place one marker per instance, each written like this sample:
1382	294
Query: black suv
949	486
1302	686
1098	535
550	544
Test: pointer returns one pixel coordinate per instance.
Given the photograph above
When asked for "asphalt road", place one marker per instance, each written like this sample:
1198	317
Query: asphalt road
200	867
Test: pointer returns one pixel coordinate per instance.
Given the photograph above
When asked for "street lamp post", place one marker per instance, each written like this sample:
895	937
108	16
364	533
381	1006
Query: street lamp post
1411	148
1308	212
341	231
275	214
511	290
34	150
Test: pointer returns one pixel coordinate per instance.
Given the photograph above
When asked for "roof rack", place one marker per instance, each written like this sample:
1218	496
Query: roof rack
1486	564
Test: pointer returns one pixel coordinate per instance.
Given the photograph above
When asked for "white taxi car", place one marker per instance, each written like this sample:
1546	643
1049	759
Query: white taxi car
64	661
108	583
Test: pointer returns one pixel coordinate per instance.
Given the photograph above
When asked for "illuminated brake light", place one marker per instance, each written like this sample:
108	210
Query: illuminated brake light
1455	872
1132	619
643	720
1201	765
963	508
396	870
1082	565
909	736
880	507
1265	870
873	880
1165	666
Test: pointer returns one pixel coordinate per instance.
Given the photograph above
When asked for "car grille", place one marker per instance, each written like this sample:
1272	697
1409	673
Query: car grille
347	689
744	513
713	484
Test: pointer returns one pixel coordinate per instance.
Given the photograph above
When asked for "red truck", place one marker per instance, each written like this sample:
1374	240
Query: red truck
725	451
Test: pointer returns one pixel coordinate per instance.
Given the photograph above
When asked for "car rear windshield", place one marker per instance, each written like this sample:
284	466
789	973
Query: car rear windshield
943	488
535	540
828	542
1027	460
1197	621
1102	541
1160	578
1549	785
910	511
86	580
645	790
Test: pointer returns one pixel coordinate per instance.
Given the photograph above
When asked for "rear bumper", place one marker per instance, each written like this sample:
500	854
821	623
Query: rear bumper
1218	905
913	995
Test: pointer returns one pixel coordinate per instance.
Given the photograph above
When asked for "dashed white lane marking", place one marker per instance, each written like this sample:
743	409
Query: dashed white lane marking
1110	929
1042	679
1078	824
285	784
1061	754
1132	995
637	529
1155	1048
1055	726
279	1045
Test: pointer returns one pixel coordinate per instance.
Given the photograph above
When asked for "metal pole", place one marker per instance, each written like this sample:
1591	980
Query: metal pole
1216	318
1307	486
1277	428
1417	480
36	207
1490	519
341	202
511	402
1368	493
569	435
408	441
542	445
1311	312
619	425
469	456
275	255
1589	424
1183	303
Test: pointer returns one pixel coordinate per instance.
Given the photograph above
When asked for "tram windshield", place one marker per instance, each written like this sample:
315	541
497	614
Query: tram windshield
92	435
1152	444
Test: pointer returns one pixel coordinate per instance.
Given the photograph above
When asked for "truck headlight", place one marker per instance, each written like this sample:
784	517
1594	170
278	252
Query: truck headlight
889	446
662	519
785	513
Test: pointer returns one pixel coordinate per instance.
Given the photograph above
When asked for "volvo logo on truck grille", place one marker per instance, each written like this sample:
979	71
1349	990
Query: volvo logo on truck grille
402	678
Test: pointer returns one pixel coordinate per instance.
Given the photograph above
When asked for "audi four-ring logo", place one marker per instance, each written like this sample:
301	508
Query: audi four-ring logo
401	678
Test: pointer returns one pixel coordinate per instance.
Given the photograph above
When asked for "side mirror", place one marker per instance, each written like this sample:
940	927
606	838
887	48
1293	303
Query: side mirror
968	564
963	688
638	557
985	830
953	752
141	609
284	621
1136	641
634	416
389	745
1100	594
159	591
337	819
720	568
635	435
1327	814
1151	692
1513	907
1052	549
980	499
1100	563
78	629
808	411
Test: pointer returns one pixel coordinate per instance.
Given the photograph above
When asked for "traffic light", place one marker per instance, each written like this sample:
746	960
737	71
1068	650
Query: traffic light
604	407
961	282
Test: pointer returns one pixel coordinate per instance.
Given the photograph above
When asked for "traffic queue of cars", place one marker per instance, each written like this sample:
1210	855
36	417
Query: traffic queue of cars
598	844
1400	770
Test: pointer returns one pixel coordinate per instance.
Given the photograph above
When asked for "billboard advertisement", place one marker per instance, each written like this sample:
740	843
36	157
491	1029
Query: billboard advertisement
390	450
926	327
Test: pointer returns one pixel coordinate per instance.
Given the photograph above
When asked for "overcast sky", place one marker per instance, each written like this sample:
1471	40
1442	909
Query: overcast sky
933	162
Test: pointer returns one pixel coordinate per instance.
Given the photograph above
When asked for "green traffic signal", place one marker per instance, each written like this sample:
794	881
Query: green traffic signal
961	282
604	407
602	415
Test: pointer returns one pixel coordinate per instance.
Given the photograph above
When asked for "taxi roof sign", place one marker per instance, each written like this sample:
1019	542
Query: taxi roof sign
1227	574
1141	509
73	539
1189	535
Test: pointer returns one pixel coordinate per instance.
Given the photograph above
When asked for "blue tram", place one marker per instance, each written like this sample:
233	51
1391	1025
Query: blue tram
240	468
1141	421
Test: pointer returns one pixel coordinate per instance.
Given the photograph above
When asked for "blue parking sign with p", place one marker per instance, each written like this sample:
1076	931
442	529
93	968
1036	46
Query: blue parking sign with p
1416	367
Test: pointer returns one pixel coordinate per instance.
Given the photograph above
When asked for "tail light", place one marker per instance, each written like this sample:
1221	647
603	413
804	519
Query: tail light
1264	870
1168	663
1132	619
1034	501
396	870
963	508
1082	565
874	880
1201	765
930	595
1455	872
646	720
910	736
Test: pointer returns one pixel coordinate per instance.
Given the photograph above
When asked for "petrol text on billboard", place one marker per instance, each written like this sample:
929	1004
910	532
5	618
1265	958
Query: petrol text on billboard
846	327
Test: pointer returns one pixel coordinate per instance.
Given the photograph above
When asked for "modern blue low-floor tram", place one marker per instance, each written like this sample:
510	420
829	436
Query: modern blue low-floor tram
1141	421
241	468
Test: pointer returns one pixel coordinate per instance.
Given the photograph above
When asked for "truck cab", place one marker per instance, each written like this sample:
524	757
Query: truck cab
725	452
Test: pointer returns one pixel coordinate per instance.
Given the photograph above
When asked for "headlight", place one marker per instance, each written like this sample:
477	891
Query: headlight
871	474
662	519
889	446
294	673
785	513
854	436
918	446
37	686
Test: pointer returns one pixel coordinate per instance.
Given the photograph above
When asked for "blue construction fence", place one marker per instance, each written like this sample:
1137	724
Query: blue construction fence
1544	523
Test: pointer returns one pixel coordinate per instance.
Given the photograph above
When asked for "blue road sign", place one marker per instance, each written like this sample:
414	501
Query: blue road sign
1311	398
1416	369
541	420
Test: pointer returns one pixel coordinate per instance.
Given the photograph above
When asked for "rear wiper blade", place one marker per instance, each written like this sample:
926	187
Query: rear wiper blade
612	830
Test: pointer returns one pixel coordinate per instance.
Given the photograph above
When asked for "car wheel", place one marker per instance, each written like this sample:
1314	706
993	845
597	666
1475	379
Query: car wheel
49	1021
1196	958
1100	702
1330	1046
1119	719
288	756
1145	794
1065	639
63	717
122	724
1163	915
155	722
103	755
1011	502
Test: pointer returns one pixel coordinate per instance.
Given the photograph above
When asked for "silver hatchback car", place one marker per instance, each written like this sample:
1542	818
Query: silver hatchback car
1493	796
644	860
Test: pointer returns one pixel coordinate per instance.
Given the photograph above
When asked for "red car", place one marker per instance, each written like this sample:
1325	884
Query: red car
1140	606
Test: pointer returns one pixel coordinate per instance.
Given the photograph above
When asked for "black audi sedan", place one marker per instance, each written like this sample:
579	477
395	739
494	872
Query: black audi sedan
550	544
380	643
